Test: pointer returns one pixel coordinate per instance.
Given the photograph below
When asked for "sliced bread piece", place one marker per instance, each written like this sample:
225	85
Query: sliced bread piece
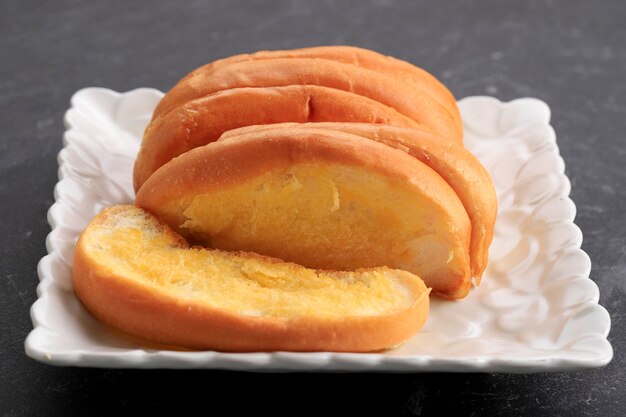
322	199
134	273
459	167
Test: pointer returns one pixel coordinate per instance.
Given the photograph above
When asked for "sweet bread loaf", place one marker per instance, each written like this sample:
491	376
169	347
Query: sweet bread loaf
132	272
323	199
456	165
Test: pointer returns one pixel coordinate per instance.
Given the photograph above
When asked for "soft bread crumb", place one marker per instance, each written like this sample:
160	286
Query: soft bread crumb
331	217
136	247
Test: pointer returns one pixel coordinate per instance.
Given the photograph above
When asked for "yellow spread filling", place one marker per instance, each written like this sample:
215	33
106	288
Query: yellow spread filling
249	286
322	216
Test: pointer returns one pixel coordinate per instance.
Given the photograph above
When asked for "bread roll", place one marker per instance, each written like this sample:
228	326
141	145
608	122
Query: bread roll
323	199
457	166
134	273
203	120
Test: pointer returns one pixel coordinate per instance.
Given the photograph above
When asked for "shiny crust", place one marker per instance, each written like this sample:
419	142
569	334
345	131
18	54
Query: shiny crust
363	58
406	98
457	166
203	120
154	314
219	164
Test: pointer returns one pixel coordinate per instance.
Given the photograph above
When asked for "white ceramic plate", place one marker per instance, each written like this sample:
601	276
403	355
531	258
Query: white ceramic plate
536	310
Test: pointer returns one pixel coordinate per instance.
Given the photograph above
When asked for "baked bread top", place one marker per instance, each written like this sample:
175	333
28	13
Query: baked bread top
404	97
353	85
203	120
363	58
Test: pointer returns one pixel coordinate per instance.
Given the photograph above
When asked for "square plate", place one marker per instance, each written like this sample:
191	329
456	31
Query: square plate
536	309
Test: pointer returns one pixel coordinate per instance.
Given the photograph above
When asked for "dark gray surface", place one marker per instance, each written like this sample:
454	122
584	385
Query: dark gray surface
569	53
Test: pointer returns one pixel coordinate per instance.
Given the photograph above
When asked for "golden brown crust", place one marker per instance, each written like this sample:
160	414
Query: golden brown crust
360	57
203	120
154	314
465	174
220	164
406	98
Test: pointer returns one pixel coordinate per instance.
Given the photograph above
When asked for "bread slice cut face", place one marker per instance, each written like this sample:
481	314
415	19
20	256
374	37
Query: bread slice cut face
134	273
326	200
455	164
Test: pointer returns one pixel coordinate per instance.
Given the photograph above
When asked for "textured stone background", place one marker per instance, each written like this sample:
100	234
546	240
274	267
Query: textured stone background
569	53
